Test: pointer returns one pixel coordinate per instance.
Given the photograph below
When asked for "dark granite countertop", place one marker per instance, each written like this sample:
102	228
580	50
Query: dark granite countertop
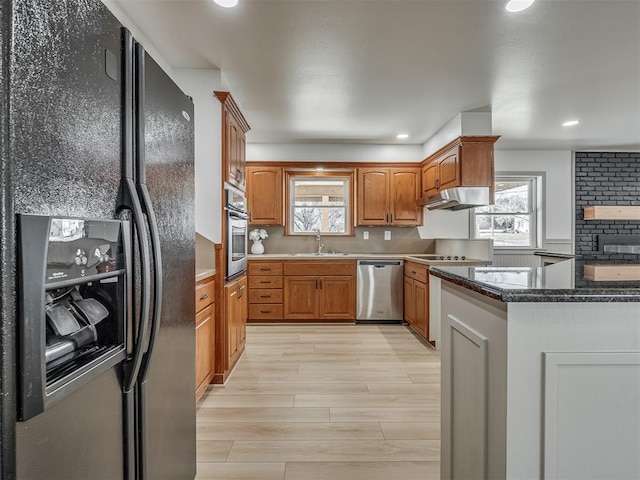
560	282
542	253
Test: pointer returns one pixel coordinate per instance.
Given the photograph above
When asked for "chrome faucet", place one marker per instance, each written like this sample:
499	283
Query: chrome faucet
319	245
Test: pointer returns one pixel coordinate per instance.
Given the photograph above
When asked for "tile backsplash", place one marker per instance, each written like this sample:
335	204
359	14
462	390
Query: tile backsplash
605	178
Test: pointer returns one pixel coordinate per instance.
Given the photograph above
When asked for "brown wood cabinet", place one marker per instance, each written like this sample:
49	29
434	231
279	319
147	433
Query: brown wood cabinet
236	310
416	297
234	129
264	195
265	291
467	161
301	297
387	196
205	334
319	290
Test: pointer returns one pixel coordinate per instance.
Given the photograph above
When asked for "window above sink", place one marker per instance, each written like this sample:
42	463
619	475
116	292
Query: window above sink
319	201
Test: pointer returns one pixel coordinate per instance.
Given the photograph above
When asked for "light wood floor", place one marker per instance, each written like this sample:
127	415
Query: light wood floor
316	402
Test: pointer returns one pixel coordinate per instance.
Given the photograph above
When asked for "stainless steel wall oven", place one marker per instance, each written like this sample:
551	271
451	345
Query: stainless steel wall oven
237	231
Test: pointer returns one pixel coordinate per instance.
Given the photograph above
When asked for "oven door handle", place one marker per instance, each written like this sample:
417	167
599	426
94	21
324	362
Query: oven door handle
236	215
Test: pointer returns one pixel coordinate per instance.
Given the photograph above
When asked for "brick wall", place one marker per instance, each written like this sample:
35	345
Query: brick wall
605	178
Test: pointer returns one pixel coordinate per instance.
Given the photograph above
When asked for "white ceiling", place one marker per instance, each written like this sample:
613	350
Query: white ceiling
361	71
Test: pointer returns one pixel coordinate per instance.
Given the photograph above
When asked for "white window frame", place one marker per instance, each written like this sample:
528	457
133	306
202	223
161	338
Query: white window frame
346	176
536	196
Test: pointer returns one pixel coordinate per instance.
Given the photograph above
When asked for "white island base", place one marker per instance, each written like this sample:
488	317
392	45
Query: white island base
539	390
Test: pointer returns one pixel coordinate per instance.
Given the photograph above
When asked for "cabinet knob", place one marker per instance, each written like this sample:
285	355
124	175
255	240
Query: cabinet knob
265	281
265	296
265	269
206	295
265	311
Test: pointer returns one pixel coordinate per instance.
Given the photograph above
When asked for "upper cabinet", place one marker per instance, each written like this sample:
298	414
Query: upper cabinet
387	196
465	162
234	129
264	195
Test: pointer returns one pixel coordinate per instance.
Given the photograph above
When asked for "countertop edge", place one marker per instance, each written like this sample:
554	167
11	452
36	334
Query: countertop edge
202	273
481	288
542	253
539	295
368	256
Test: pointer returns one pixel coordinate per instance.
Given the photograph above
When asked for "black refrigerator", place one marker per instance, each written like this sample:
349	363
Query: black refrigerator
92	128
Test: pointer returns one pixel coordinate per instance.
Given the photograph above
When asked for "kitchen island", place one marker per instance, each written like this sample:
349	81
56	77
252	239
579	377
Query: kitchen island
540	372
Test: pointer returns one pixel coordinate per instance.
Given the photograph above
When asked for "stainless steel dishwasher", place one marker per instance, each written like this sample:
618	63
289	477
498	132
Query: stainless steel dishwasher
380	290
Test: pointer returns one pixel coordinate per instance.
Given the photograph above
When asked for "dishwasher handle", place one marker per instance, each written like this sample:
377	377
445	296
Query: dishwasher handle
381	263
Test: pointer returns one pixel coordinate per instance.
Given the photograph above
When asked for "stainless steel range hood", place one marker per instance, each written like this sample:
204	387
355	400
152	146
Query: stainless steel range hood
458	198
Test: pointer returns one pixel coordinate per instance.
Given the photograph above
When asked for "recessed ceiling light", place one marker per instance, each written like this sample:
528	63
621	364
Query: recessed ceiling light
226	3
402	136
518	5
319	169
571	123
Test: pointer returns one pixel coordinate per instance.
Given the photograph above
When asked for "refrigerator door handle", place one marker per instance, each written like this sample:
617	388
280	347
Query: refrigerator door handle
157	277
147	207
132	202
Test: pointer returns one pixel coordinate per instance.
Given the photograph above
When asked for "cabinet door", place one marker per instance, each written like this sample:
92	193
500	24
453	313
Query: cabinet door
230	148
232	306
337	298
264	195
301	297
421	296
404	191
373	196
449	169
234	161
409	301
241	163
243	299
430	178
205	326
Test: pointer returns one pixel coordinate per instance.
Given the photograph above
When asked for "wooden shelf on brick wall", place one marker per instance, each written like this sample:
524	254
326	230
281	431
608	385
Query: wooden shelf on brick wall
612	273
612	212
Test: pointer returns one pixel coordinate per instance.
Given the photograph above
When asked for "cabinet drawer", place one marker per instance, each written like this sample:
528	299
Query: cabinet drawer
417	271
265	295
265	311
265	268
205	293
265	282
319	267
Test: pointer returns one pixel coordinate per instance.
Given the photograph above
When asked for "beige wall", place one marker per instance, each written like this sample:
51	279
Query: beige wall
403	240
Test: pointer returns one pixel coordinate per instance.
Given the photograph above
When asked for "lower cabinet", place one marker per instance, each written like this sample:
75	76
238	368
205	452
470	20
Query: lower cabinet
265	290
416	297
205	335
233	328
320	290
301	297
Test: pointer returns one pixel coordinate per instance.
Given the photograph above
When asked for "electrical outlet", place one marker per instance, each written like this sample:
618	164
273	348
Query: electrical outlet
365	235
387	234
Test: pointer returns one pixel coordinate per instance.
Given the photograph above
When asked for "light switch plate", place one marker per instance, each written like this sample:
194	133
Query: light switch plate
387	234
365	235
